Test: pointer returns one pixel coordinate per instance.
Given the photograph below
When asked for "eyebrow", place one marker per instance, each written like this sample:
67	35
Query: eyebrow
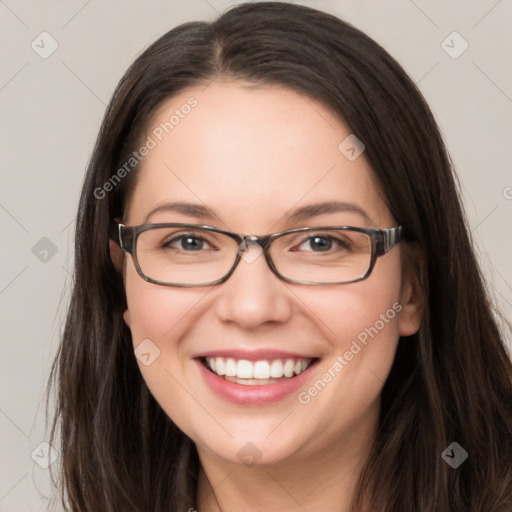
314	210
298	215
189	209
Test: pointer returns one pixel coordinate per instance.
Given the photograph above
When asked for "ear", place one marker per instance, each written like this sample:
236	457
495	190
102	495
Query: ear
116	255
412	306
127	318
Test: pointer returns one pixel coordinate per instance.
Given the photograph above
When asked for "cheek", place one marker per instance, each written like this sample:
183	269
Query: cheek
362	329
159	319
361	322
349	311
155	311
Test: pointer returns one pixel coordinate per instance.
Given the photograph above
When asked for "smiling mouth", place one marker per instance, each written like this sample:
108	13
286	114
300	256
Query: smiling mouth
257	373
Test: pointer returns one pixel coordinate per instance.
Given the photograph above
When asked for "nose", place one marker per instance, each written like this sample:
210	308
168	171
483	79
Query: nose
253	295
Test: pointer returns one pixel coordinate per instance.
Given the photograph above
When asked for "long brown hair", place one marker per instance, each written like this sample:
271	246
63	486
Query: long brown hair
451	381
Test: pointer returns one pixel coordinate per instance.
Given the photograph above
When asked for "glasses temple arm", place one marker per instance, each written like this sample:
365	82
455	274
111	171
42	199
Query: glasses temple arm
389	238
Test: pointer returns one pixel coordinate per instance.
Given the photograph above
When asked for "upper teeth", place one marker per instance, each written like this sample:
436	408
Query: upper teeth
244	369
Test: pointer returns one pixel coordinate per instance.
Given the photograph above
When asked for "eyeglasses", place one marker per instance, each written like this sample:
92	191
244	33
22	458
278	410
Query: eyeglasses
187	255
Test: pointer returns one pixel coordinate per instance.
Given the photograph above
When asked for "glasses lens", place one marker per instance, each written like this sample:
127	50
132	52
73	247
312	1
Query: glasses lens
323	256
179	255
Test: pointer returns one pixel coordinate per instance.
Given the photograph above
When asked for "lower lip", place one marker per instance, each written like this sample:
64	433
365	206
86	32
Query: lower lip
253	395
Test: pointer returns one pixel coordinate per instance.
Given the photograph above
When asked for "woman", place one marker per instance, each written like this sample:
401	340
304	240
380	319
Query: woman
276	303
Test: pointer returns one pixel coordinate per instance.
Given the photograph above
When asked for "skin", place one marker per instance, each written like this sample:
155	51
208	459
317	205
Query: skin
251	154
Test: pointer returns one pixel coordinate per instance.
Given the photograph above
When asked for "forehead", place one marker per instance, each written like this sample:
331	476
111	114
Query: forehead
250	154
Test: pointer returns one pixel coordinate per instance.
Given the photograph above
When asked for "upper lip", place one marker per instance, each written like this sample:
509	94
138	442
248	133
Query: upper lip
253	355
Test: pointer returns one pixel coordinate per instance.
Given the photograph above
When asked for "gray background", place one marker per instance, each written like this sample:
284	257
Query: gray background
51	109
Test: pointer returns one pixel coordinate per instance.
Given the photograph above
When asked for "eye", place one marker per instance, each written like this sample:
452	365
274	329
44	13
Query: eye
323	243
188	242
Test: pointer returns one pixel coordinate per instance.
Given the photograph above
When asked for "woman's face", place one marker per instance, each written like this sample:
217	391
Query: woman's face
252	156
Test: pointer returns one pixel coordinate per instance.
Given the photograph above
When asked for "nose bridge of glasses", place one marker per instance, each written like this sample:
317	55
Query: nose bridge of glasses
260	242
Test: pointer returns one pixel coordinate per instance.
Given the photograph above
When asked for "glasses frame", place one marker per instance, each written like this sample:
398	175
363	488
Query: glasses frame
382	240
